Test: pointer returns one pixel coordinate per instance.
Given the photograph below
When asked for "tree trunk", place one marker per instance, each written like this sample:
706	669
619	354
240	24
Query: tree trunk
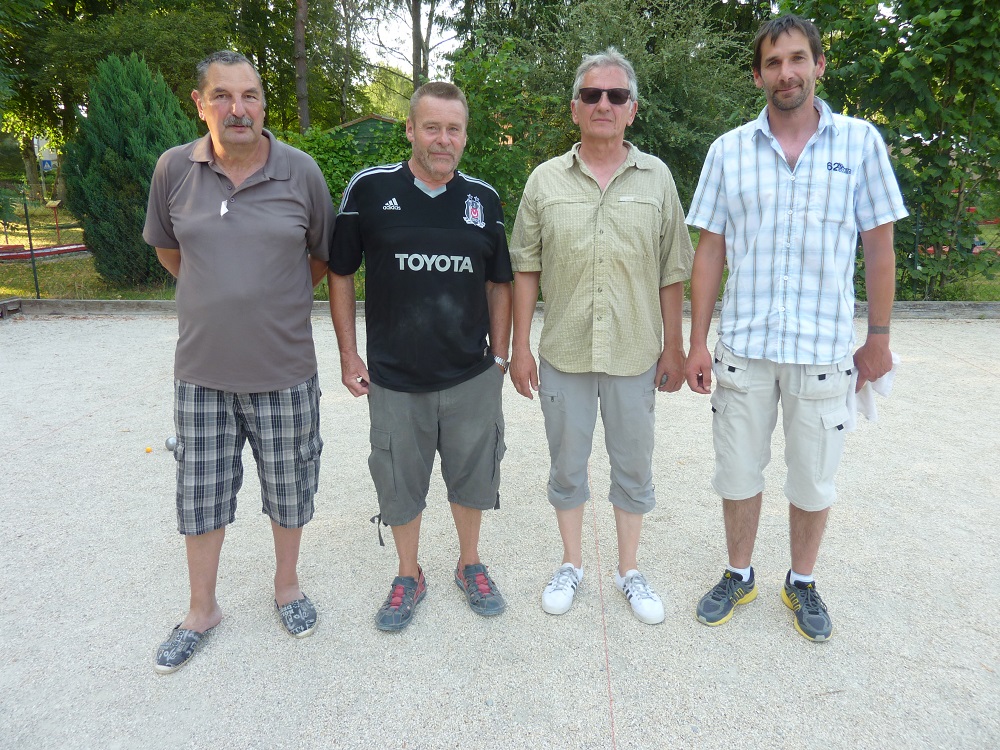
301	66
30	160
417	39
348	15
59	188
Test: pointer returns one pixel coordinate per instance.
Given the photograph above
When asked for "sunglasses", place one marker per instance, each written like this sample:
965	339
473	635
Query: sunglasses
615	96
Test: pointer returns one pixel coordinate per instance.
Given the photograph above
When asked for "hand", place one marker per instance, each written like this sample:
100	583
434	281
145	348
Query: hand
873	360
354	374
670	371
524	373
698	370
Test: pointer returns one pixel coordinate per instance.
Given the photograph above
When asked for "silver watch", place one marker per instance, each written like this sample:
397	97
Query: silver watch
504	363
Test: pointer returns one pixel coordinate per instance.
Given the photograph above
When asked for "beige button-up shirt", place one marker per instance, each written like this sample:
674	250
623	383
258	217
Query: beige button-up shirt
603	258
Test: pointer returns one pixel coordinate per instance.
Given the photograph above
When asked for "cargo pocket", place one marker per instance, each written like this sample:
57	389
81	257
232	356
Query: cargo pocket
551	400
834	430
308	465
718	401
823	381
731	370
380	463
498	454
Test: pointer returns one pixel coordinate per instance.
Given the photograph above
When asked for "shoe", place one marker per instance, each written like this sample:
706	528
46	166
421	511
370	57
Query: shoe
811	618
298	617
397	610
717	606
557	597
178	649
645	603
483	595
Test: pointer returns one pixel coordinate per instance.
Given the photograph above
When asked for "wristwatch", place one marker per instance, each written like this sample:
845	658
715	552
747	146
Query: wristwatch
504	363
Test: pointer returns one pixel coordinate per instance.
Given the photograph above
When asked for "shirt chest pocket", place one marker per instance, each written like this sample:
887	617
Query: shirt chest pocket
634	222
567	228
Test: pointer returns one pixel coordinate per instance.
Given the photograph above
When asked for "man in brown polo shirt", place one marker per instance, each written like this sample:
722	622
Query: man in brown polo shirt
243	222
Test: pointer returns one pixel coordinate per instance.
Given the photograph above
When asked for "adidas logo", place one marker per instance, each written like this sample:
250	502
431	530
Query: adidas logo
391	206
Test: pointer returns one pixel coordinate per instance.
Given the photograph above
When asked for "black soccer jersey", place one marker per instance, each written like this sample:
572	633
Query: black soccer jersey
428	256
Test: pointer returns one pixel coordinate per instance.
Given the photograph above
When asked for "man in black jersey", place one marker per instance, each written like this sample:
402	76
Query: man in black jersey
438	318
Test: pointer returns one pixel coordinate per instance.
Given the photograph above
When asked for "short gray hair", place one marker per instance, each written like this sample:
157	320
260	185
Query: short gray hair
609	58
224	57
439	90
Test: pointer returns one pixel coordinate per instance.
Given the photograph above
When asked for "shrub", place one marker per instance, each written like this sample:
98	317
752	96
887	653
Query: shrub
132	117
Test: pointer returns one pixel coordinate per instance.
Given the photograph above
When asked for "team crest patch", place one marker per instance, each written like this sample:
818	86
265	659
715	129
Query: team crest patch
474	212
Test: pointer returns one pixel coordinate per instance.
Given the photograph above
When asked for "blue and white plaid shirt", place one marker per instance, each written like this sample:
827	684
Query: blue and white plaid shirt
791	234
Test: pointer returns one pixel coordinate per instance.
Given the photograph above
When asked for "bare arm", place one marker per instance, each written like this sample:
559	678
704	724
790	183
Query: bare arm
523	369
873	359
706	277
170	259
317	269
498	297
671	362
343	310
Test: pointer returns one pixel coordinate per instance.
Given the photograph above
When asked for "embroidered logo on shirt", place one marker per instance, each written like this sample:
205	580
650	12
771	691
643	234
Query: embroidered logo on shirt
836	166
442	263
474	212
391	206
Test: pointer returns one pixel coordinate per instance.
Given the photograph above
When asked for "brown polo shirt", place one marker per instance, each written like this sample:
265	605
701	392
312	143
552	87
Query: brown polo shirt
244	294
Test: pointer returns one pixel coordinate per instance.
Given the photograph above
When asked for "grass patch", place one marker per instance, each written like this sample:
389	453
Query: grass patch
74	277
71	277
43	228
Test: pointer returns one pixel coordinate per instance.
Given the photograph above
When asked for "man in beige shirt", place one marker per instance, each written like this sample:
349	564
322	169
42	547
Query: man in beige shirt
601	229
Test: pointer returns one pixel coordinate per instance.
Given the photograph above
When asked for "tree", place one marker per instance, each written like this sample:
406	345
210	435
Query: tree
694	81
925	72
389	93
132	117
301	64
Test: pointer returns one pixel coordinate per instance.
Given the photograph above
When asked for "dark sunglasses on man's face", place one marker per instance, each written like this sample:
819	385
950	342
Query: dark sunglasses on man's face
615	96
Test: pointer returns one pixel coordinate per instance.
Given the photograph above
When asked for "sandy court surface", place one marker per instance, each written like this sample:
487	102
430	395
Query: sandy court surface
94	577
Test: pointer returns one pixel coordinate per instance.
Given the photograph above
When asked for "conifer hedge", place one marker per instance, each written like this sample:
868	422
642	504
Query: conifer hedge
132	118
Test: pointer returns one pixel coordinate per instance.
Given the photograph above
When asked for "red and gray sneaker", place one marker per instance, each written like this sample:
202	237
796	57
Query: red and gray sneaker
397	610
482	593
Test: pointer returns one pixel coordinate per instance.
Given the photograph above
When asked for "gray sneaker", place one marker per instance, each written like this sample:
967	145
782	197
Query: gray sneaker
480	590
811	618
397	610
717	606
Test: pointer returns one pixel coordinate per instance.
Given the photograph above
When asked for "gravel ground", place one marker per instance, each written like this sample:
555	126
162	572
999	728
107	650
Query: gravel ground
94	577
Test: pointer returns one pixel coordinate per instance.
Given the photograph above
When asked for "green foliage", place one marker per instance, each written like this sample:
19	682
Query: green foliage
925	71
694	79
8	212
339	156
132	118
171	43
388	93
507	132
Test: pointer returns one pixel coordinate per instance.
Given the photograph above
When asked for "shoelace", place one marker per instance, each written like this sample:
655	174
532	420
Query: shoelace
397	596
732	584
563	580
481	582
809	600
639	588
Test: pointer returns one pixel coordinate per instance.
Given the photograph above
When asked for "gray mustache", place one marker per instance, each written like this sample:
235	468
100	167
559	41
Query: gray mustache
243	122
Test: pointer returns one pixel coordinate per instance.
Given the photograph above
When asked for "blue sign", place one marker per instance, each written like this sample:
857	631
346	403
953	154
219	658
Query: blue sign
47	165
